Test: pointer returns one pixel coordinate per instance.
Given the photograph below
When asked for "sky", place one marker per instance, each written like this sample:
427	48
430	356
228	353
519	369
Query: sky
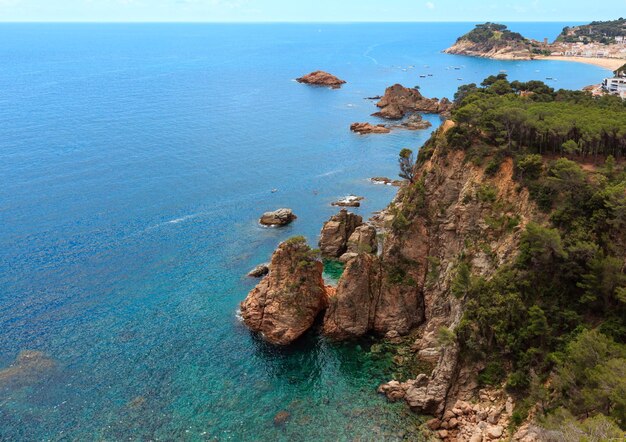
308	10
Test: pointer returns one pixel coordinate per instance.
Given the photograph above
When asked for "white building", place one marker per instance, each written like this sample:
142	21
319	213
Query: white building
615	86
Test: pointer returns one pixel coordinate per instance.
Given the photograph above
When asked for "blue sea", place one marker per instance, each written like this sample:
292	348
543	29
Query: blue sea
135	160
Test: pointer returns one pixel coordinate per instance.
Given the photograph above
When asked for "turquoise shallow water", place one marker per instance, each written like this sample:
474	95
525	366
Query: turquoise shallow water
135	161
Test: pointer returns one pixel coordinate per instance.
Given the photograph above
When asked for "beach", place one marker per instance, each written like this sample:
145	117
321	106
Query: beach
606	63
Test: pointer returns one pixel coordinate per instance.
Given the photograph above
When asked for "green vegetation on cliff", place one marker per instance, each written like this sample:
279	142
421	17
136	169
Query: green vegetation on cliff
551	323
492	33
598	31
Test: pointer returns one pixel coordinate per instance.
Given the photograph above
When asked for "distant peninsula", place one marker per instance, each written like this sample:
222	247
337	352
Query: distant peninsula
599	43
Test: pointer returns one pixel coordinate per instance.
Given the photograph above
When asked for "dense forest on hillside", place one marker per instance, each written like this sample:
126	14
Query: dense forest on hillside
597	31
551	324
492	32
532	116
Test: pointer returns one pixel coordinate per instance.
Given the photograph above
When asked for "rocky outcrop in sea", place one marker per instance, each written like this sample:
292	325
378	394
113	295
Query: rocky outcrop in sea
368	128
400	101
321	78
277	218
286	302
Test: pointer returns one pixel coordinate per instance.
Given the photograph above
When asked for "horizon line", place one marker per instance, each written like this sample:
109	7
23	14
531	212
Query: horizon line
272	21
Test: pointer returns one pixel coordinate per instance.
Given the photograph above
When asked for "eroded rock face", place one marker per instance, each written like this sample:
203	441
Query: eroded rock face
259	271
422	256
280	217
286	302
368	128
336	232
368	300
363	239
352	310
399	101
321	78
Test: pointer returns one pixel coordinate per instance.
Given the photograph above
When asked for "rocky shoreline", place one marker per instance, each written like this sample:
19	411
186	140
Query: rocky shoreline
401	286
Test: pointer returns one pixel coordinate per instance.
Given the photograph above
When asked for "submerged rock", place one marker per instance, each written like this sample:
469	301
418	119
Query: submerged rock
281	418
286	302
280	217
367	128
259	271
336	232
321	78
28	368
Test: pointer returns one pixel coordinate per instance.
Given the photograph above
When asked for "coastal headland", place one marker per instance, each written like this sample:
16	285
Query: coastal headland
601	44
451	277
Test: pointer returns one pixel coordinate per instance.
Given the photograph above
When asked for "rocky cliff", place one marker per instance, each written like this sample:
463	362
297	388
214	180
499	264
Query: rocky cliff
454	221
286	302
336	233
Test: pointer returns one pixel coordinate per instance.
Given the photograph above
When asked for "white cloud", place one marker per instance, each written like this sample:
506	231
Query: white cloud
430	5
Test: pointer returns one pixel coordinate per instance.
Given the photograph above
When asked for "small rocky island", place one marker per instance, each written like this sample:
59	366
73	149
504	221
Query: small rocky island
400	101
368	128
321	78
348	201
286	302
277	218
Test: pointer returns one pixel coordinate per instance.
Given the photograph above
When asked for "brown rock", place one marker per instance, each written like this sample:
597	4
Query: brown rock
414	122
348	201
280	217
351	312
495	431
281	418
399	101
367	128
395	395
476	436
448	415
321	78
336	232
433	424
347	257
443	434
285	303
386	181
393	390
259	271
363	239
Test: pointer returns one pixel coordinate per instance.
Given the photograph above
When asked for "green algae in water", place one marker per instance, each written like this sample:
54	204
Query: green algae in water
333	270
